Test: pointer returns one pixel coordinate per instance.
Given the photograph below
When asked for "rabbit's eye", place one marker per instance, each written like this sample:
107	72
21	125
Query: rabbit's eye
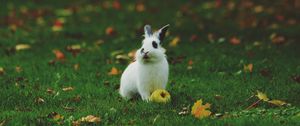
154	44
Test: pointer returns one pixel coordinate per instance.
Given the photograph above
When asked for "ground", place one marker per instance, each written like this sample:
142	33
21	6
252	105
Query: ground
66	74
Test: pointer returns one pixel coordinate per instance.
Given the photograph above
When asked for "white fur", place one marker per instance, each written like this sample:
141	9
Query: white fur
146	75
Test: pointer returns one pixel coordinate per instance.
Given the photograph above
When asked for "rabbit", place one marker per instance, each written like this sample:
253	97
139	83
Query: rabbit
150	70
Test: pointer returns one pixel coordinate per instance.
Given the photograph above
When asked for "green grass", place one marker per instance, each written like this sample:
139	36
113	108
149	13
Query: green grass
215	70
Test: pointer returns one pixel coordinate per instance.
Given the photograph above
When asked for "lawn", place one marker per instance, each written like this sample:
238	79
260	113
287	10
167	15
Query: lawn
57	56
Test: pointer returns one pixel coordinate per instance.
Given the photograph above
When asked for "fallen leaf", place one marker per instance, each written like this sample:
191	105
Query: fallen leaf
2	71
122	58
68	89
20	47
200	111
55	116
193	38
117	5
211	37
58	25
59	55
277	102
76	98
262	96
140	7
76	66
258	9
113	71
248	68
50	91
2	123
90	119
174	42
235	41
218	97
40	100
160	96
68	108
277	39
18	69
191	62
110	31
74	49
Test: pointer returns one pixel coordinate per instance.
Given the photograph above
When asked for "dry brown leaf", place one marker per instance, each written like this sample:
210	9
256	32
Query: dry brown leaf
116	5
110	31
277	39
113	71
59	55
140	7
58	117
218	97
50	91
2	123
235	41
68	108
40	100
68	89
20	47
91	119
76	98
174	42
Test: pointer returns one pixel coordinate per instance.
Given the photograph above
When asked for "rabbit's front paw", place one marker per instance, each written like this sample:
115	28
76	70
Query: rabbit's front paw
146	97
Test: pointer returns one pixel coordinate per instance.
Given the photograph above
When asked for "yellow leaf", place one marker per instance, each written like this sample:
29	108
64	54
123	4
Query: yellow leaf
262	96
113	71
58	117
68	89
76	66
91	119
199	110
160	96
174	42
55	116
22	47
2	71
277	102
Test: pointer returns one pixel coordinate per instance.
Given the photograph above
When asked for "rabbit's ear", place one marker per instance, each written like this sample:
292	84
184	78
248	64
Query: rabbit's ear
161	33
147	30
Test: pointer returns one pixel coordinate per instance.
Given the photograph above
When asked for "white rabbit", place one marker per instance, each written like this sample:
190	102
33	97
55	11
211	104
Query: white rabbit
150	71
